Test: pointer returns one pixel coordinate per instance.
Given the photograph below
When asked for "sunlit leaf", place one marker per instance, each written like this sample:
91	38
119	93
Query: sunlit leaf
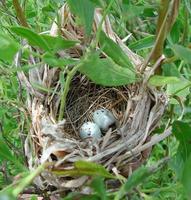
106	72
114	51
58	43
84	9
144	43
8	48
158	80
85	168
33	38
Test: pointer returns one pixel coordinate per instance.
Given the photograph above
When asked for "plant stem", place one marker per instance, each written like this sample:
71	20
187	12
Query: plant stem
66	90
95	42
20	14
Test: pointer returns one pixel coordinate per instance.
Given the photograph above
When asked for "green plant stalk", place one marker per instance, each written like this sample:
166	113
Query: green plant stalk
95	42
66	90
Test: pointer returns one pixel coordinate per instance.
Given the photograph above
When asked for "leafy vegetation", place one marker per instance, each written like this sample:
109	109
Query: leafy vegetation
154	28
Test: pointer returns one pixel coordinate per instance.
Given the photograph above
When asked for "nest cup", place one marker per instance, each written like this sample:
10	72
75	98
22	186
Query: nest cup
136	107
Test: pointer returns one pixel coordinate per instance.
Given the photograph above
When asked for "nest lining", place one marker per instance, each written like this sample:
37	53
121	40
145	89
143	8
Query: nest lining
137	108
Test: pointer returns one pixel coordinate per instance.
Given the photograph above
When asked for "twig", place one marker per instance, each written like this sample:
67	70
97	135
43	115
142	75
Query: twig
20	14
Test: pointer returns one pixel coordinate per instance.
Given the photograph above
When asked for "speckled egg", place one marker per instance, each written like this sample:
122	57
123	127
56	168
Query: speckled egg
103	118
90	129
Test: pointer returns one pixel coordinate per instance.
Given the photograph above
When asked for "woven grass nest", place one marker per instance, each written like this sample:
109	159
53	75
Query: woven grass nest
137	107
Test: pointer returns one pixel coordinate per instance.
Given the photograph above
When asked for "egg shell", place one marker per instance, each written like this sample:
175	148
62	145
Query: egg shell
103	118
90	129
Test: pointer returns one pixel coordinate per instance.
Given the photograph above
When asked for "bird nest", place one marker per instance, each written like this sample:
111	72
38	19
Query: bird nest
137	109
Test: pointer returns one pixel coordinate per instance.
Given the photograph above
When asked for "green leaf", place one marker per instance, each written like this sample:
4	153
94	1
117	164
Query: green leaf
157	80
99	187
181	89
186	176
33	38
170	69
84	9
57	62
85	168
144	43
182	52
58	43
106	72
136	178
182	131
114	51
8	48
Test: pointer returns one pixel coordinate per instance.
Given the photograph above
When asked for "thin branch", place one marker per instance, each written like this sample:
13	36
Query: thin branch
20	13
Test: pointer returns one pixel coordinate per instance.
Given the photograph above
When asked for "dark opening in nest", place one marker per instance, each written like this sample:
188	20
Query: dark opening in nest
85	97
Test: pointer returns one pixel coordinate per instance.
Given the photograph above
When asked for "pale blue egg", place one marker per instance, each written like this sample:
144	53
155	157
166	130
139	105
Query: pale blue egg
103	118
90	129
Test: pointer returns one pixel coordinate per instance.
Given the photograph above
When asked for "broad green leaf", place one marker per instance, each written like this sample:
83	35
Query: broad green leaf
136	178
106	72
99	187
58	43
8	48
170	70
57	62
157	80
85	168
84	9
182	131
181	89
186	176
182	52
144	43
114	51
33	38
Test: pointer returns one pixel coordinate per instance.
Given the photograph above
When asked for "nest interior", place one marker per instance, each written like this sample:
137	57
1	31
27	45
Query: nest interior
137	108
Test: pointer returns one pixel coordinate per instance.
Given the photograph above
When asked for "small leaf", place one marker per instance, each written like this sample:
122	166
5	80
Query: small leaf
181	89
182	52
144	43
8	48
85	168
58	43
33	38
114	51
84	9
57	62
157	80
106	72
